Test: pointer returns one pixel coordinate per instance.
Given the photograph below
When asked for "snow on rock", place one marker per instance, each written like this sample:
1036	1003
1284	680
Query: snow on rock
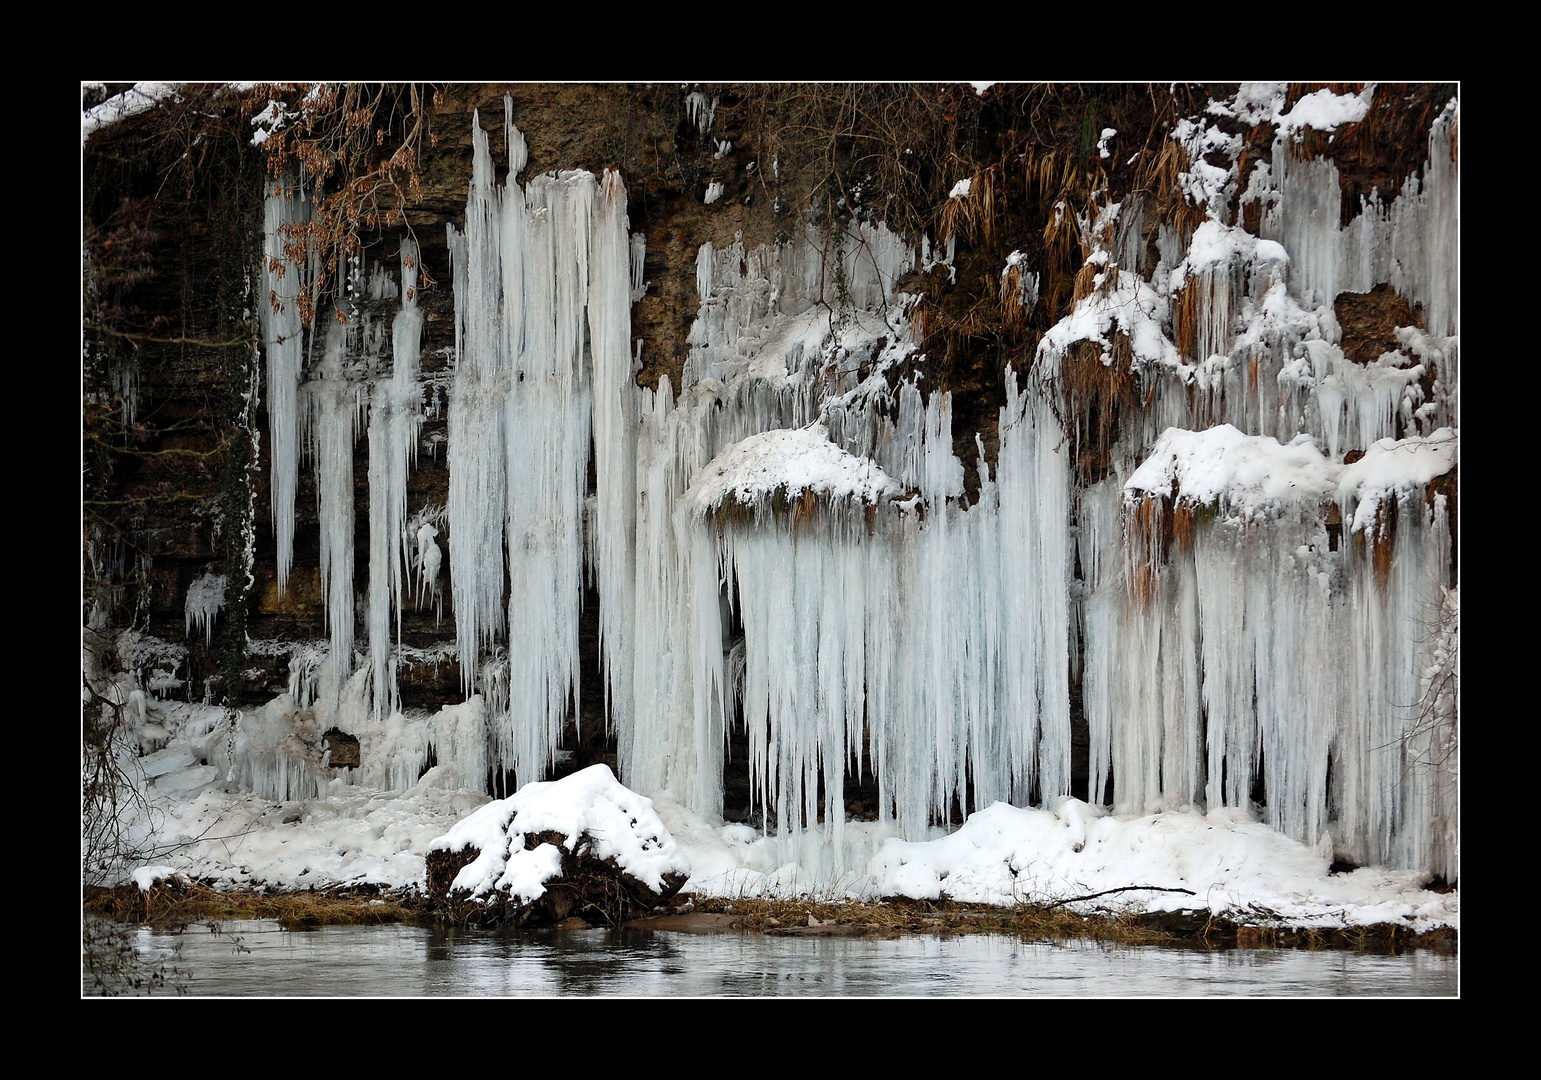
1216	244
1244	474
591	809
1263	103
1325	110
1396	465
794	461
147	877
1132	306
141	97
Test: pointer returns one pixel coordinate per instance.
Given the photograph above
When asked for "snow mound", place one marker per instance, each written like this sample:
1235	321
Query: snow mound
620	824
147	877
794	461
1222	862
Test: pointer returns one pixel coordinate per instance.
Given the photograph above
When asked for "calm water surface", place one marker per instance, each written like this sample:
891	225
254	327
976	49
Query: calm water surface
257	958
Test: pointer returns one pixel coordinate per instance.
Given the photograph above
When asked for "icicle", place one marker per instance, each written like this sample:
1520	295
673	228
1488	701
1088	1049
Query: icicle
395	416
427	563
334	407
616	264
1035	581
548	424
476	442
284	280
545	370
205	600
638	247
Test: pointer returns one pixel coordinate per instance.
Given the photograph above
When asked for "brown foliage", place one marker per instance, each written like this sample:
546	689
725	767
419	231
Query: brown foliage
1095	396
358	145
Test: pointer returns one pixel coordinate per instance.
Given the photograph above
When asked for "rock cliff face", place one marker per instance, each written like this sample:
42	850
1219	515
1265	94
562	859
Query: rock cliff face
1120	461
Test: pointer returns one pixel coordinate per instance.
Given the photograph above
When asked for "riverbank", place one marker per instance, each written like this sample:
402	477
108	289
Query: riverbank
181	902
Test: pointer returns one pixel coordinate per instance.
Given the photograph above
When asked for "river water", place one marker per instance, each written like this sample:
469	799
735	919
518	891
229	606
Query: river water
257	958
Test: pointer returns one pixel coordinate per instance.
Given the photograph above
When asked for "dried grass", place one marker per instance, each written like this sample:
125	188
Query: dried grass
1147	539
973	217
895	916
1095	397
1014	313
175	901
1185	318
1047	922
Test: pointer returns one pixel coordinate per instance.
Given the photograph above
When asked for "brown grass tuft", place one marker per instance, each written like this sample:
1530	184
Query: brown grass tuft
805	508
1148	535
1185	515
1095	397
973	217
1185	319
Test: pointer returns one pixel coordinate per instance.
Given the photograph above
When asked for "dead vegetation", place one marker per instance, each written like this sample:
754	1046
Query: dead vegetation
1048	922
180	904
358	145
179	900
1095	398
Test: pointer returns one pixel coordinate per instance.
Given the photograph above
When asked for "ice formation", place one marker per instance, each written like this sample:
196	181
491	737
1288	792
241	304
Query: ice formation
205	600
286	266
394	417
543	280
1237	585
335	403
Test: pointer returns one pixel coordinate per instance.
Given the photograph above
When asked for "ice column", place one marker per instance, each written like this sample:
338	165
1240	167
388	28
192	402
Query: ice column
547	431
395	415
334	407
616	269
285	266
476	405
543	282
1035	561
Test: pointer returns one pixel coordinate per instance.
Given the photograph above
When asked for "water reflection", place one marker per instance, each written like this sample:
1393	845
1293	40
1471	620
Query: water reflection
259	959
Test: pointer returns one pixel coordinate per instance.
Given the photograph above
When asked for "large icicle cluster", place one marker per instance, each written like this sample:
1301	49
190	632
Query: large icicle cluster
877	633
1239	578
1255	604
542	285
936	639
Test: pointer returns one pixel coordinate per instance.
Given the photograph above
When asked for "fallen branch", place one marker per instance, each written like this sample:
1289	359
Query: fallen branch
1110	892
